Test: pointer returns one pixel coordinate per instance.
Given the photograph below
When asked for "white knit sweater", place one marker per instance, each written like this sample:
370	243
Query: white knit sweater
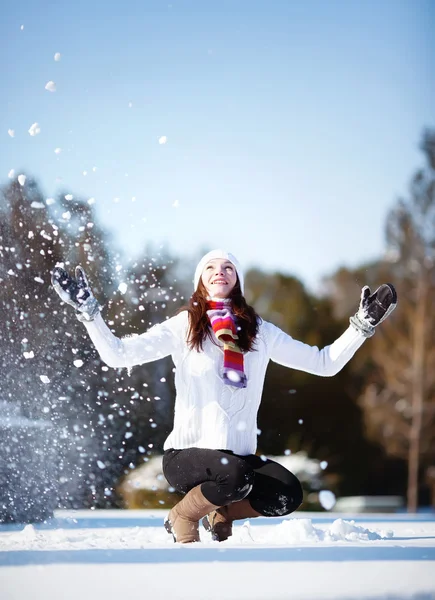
208	412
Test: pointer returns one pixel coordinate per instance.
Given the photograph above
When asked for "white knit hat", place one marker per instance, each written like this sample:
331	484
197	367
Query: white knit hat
219	253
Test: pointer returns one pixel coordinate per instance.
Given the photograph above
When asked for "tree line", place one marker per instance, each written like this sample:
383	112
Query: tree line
374	423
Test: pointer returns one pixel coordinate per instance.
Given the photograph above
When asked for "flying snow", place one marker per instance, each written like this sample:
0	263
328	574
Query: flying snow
57	57
21	179
11	132
34	129
327	499
122	287
11	174
44	379
78	363
50	86
30	354
233	376
57	150
163	139
36	204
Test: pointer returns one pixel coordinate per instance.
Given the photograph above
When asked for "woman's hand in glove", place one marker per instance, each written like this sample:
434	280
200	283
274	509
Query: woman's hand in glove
76	292
374	308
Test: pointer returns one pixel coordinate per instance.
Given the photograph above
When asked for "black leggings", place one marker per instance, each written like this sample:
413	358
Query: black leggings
226	477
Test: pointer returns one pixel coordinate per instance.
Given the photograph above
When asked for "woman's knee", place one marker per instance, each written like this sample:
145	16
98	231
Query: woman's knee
279	502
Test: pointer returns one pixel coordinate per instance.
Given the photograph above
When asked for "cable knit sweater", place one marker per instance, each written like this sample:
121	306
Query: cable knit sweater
208	412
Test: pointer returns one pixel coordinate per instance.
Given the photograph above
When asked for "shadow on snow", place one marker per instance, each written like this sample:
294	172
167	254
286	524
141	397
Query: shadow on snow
180	554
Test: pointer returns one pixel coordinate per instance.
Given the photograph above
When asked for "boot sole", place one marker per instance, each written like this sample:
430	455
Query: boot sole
168	528
208	527
206	523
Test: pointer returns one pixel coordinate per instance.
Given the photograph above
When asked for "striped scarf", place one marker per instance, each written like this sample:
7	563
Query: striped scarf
223	324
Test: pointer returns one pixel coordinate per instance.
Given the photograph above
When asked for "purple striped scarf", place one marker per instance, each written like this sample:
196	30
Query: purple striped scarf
224	326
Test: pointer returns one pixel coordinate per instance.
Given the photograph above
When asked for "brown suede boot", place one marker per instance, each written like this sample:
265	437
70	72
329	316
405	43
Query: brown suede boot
220	521
183	519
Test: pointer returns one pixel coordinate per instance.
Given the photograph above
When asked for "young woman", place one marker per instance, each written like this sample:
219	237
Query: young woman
221	349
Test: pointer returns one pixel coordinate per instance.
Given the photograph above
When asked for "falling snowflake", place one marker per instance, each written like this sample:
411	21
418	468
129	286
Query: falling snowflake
11	174
163	139
36	204
57	57
44	379
122	287
34	129
78	363
57	150
21	179
11	132
50	86
327	499
30	355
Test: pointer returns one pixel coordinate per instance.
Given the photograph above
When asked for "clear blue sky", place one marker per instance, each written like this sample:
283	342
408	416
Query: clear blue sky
292	126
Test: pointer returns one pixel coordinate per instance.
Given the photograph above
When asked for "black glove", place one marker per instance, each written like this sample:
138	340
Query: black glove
374	308
76	292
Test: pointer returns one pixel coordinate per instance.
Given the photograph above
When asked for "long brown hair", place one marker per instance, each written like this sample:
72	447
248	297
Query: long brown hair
199	325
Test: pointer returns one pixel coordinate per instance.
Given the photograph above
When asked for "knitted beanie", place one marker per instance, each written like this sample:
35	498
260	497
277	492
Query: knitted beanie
219	253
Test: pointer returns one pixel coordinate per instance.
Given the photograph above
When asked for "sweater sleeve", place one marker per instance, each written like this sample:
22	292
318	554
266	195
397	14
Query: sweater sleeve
158	342
286	351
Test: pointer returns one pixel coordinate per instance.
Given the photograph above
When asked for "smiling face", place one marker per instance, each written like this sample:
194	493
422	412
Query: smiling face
219	278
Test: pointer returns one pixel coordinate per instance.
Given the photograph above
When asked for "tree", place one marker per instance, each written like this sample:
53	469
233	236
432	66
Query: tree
399	400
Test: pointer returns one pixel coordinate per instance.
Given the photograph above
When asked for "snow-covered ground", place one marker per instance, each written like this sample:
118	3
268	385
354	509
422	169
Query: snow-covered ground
127	554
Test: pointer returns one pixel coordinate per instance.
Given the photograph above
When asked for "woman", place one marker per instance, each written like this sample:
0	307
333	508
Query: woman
221	349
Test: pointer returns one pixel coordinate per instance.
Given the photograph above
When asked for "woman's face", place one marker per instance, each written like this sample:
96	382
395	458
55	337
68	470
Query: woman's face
219	278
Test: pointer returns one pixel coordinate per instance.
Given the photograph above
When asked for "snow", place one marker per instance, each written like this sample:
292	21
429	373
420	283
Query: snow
112	554
327	499
34	129
11	132
163	139
50	86
57	56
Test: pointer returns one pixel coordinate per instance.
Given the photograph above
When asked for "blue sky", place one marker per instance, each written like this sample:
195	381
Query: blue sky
292	127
